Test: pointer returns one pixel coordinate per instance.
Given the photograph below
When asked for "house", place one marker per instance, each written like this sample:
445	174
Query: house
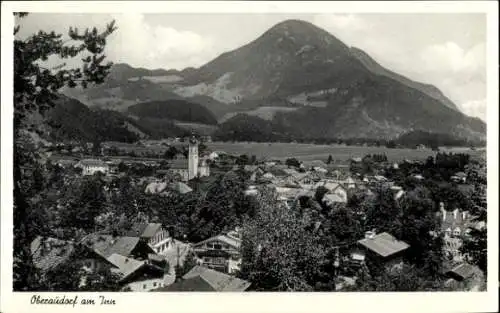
251	191
459	177
106	245
201	278
397	192
92	166
221	253
155	187
455	225
139	275
49	253
336	192
156	236
381	248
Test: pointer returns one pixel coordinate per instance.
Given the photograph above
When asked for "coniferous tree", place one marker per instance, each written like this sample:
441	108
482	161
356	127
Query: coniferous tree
35	91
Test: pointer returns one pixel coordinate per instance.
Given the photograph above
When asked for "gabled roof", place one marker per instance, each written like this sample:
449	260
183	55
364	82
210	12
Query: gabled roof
125	265
144	230
334	198
463	271
219	281
180	187
107	245
384	244
236	243
191	284
155	187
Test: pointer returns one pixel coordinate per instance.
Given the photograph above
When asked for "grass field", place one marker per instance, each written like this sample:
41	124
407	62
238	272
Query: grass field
307	152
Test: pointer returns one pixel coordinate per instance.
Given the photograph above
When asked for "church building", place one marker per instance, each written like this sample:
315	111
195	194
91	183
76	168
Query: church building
192	166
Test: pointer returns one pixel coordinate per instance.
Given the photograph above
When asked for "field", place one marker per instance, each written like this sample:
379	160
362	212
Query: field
307	152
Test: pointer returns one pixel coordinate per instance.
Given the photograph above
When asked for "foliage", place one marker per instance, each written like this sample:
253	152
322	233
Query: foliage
188	264
35	89
408	278
278	253
418	222
180	110
292	162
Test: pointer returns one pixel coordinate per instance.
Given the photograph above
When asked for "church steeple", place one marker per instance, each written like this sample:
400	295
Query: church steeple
193	157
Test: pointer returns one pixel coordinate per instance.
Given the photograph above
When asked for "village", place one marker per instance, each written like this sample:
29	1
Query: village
146	253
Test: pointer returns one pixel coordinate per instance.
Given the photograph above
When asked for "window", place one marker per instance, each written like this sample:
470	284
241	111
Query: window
144	286
154	284
217	246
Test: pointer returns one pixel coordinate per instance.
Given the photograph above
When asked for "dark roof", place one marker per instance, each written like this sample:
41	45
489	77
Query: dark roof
384	244
192	284
463	270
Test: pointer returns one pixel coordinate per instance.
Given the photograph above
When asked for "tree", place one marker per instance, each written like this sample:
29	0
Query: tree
278	253
292	162
407	278
475	248
330	159
418	222
189	263
35	91
170	153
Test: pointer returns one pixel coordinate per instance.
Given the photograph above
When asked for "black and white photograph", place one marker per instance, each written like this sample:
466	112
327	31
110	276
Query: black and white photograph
248	152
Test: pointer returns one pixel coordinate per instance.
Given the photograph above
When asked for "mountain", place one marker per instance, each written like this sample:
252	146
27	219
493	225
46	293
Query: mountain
343	93
179	110
329	90
377	69
290	58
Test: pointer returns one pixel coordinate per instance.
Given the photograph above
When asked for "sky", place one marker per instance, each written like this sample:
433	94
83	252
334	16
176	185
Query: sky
443	49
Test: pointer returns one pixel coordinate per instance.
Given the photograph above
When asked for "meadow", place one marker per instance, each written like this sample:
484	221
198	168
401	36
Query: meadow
308	152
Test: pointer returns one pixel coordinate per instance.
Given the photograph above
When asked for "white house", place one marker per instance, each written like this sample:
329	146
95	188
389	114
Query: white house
92	166
155	234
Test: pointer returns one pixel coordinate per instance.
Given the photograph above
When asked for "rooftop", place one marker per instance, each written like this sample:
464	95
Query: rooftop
384	244
106	245
224	238
144	230
93	162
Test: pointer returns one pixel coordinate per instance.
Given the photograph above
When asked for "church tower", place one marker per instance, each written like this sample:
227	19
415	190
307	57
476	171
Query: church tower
193	158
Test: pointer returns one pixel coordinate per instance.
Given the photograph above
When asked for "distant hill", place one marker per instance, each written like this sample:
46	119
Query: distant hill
72	120
180	110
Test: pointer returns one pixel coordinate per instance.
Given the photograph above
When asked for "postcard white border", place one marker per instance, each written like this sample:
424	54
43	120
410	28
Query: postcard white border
257	302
